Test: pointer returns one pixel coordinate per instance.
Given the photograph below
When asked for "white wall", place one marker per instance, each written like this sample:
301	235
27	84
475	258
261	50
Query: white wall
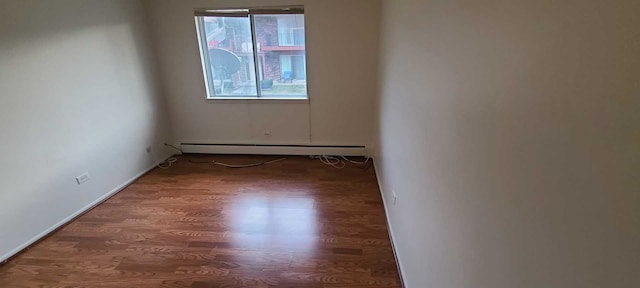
510	133
77	93
342	51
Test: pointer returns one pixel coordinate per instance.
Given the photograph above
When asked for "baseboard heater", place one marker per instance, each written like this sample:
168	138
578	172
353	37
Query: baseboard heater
268	149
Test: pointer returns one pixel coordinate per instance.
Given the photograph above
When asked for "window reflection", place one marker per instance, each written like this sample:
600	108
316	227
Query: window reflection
284	223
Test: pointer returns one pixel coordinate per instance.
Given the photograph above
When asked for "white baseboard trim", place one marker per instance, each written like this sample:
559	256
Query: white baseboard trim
391	234
84	209
274	149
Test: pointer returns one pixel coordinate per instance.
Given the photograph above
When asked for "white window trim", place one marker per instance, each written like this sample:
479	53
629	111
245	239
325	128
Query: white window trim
242	12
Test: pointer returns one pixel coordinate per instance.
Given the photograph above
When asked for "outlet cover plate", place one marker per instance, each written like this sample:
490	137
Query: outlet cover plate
84	177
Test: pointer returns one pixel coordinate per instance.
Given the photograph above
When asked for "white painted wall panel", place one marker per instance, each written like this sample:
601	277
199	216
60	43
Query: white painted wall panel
509	132
342	49
78	93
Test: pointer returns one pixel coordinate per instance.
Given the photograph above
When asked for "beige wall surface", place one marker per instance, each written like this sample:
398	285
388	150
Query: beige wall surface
78	93
342	53
510	133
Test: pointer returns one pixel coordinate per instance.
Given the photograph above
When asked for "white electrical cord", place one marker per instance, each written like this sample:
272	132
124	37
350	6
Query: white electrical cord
332	161
171	160
338	162
168	162
366	160
247	165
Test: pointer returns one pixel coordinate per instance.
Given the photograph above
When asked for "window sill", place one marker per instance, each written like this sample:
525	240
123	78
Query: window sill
263	98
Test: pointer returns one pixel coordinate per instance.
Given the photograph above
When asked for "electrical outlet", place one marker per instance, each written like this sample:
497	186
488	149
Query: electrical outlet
84	177
395	197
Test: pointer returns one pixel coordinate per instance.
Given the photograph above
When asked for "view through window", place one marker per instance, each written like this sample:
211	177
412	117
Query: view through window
253	53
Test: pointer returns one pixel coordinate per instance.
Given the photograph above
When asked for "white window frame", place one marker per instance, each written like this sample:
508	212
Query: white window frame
250	13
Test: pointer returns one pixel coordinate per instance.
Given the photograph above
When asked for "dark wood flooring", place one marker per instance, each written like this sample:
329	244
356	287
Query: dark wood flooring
295	223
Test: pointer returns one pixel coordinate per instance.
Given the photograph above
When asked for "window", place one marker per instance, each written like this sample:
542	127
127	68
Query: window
290	30
253	53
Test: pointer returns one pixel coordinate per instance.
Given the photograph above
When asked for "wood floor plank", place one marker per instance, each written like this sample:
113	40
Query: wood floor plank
294	223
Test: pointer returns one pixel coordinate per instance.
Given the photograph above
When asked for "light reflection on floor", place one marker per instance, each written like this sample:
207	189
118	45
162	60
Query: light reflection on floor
272	223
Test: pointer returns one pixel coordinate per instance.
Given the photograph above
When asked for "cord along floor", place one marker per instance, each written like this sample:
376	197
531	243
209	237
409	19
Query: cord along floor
292	223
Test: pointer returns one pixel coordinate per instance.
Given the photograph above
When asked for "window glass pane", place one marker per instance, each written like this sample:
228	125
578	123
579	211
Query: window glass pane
231	58
281	55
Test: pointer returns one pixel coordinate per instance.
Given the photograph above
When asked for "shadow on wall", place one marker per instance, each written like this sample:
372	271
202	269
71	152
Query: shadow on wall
79	93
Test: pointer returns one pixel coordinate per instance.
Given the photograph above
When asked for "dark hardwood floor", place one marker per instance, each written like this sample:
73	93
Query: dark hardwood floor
294	223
